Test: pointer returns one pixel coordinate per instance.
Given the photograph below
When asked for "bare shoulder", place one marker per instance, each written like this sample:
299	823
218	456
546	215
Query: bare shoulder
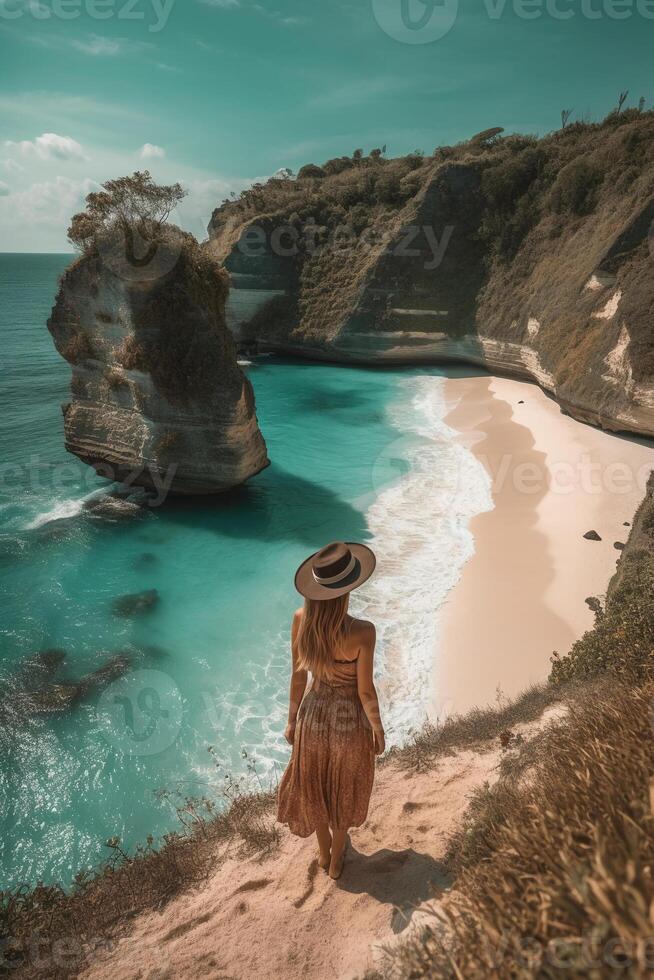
297	616
365	631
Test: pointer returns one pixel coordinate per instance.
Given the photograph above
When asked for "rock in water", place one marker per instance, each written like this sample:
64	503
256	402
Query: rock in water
158	399
592	536
134	605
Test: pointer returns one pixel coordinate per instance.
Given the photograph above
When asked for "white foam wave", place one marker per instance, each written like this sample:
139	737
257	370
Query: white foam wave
63	510
421	537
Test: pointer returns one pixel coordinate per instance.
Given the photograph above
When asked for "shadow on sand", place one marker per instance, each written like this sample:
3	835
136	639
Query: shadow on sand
402	879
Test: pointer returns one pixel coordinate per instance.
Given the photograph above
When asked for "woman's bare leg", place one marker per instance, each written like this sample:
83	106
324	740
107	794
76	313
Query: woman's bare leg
339	840
324	845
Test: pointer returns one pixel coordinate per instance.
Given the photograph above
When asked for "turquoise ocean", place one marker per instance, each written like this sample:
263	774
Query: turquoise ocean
356	455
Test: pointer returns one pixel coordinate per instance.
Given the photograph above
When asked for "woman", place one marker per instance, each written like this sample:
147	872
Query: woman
335	727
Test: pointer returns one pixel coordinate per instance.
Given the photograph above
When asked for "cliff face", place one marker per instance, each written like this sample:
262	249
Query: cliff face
529	257
157	396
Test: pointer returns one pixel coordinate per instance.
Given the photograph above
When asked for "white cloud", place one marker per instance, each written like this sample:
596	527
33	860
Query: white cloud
367	90
11	167
60	105
49	146
52	201
4	189
96	45
205	46
150	151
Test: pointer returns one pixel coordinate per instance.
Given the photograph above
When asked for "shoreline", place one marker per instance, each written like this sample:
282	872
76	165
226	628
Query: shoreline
521	595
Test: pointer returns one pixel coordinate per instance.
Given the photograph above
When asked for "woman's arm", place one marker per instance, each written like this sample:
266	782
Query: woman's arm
366	686
298	682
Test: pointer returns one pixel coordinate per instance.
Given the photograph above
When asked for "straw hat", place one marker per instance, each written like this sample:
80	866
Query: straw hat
337	568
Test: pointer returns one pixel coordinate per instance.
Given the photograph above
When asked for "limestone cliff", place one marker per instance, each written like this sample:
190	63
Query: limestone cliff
529	257
157	395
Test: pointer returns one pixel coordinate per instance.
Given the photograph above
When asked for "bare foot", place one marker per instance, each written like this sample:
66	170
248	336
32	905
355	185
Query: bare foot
336	867
324	861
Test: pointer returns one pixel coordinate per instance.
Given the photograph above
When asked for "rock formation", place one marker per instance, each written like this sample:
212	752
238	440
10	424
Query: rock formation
528	257
158	399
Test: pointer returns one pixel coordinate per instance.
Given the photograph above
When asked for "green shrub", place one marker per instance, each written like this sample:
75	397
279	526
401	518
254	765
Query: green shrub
310	170
575	190
622	640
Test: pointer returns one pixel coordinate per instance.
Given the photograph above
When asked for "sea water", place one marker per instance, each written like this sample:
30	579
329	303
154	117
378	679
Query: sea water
356	454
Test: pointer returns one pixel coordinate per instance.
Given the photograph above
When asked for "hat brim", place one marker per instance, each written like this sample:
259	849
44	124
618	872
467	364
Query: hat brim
364	566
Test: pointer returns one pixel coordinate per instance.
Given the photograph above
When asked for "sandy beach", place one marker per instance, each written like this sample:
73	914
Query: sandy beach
521	596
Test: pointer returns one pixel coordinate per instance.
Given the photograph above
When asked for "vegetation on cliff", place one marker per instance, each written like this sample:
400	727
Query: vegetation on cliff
158	395
555	864
622	641
531	255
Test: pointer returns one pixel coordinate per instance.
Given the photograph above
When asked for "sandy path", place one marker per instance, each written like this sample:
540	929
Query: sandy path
522	594
283	917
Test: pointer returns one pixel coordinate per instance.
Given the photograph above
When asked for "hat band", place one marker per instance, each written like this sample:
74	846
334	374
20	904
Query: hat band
333	579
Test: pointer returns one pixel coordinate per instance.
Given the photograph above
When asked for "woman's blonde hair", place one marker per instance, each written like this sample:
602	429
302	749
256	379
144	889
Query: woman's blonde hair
320	635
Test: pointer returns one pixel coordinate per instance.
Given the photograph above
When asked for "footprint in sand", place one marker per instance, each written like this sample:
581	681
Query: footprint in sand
185	927
252	886
307	893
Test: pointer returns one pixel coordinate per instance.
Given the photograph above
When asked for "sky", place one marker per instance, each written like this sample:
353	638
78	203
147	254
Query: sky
218	93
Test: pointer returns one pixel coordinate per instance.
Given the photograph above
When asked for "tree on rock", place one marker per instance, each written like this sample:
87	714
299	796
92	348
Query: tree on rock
133	207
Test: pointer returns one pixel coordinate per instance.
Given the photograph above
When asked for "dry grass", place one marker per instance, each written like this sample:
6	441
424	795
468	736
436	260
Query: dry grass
555	862
47	931
560	879
477	728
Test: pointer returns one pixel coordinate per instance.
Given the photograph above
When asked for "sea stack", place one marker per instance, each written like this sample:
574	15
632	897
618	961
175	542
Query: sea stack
157	395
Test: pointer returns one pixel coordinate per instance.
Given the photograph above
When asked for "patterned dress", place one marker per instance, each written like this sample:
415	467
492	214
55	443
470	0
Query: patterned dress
330	774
